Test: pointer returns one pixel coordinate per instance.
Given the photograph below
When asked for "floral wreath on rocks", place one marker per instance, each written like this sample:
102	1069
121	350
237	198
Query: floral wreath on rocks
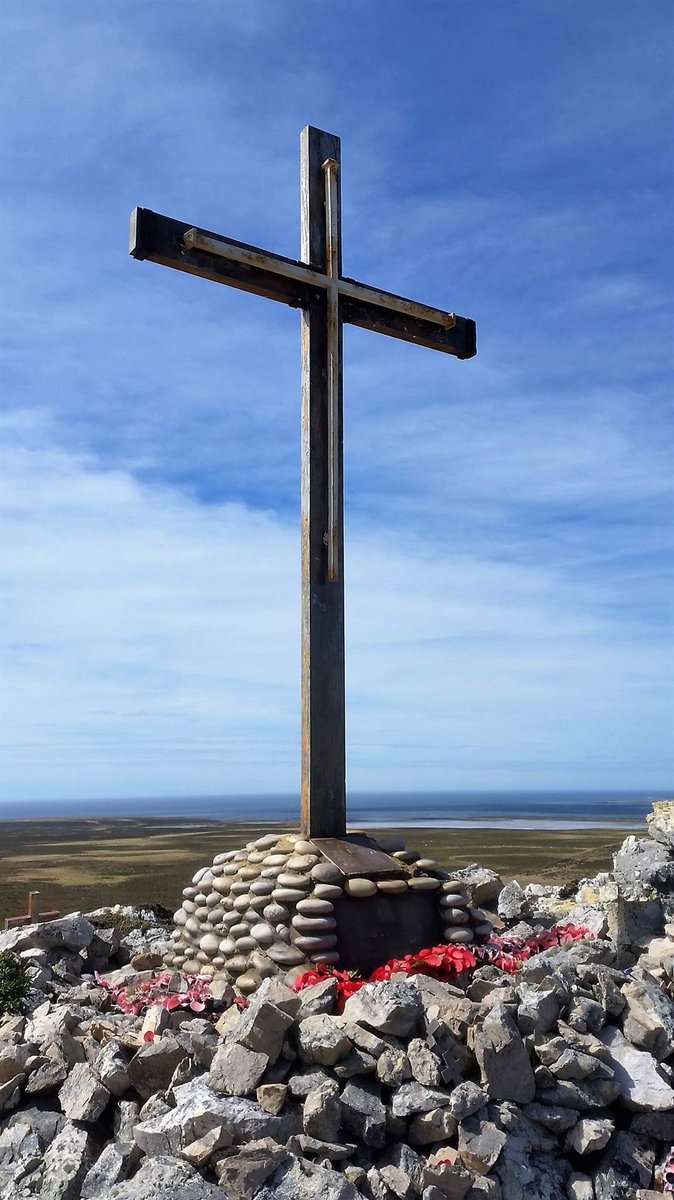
171	990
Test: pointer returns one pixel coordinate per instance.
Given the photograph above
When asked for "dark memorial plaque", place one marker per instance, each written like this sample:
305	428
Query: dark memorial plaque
373	930
356	854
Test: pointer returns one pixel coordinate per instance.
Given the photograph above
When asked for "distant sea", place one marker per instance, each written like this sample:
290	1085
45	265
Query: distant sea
432	810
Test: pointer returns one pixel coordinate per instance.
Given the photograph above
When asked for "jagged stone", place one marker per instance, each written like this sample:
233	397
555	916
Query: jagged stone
152	1066
579	1187
322	1040
66	1163
640	1083
200	1152
363	1111
110	1067
272	1097
322	1115
165	1178
298	1180
262	1028
480	1144
236	1070
648	1020
411	1098
513	903
425	1128
424	1064
82	1097
504	1063
387	1007
402	1170
589	1134
627	1164
393	1066
465	1099
111	1167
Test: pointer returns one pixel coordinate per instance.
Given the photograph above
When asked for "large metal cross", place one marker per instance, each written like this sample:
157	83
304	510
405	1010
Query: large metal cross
327	299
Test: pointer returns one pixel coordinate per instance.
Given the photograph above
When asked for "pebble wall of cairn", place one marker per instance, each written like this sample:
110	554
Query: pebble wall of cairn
271	908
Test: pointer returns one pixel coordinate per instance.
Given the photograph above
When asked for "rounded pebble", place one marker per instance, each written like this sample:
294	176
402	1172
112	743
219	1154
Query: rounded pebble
191	966
301	862
212	899
222	886
455	916
240	887
215	915
275	860
239	930
326	956
408	856
275	913
231	869
189	906
292	880
263	933
459	935
201	956
230	918
393	887
360	887
189	893
426	864
453	900
312	945
242	903
326	872
245	944
227	947
248	873
201	913
327	891
192	925
198	875
484	930
237	963
423	883
264	842
314	907
210	943
257	902
260	963
180	917
248	982
305	847
313	924
287	956
270	872
454	885
286	895
262	887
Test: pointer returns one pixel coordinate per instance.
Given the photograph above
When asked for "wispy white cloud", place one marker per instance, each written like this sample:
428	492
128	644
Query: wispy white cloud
151	644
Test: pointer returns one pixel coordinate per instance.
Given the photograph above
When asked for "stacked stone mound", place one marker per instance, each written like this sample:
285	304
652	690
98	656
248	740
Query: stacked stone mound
554	1084
259	911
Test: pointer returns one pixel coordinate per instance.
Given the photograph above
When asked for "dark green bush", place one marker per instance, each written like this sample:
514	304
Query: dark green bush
13	983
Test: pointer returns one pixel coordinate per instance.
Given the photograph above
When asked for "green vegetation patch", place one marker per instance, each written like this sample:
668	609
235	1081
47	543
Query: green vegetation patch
14	983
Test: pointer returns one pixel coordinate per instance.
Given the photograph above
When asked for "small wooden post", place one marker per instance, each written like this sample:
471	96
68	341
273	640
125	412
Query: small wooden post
323	719
32	915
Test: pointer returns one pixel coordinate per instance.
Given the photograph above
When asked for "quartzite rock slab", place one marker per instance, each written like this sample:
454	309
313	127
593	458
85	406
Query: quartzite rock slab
66	1162
82	1097
507	1073
388	1007
236	1070
636	1074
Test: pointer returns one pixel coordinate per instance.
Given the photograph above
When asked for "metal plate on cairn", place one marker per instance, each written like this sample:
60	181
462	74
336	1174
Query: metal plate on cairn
358	855
372	930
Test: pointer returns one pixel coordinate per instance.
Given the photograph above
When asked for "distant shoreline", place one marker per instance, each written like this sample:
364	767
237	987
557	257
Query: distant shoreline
82	863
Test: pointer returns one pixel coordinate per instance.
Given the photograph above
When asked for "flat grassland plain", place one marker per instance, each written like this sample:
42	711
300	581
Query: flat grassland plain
88	863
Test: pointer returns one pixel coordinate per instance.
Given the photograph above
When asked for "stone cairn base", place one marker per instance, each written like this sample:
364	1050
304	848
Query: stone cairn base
272	908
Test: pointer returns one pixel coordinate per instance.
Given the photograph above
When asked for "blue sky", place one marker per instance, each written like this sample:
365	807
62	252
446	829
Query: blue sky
509	519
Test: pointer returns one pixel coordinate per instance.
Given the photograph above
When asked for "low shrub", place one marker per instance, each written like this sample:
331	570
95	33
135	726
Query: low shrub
13	983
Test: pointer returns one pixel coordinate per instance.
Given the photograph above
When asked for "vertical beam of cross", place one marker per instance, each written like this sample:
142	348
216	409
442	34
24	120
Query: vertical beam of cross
323	709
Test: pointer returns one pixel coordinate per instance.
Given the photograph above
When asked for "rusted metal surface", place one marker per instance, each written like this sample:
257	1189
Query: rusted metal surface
371	931
33	914
357	854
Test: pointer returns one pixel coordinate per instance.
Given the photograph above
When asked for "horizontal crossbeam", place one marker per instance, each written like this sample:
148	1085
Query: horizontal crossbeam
223	260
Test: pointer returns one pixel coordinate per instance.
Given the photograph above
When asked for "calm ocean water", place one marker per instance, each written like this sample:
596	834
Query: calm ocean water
515	810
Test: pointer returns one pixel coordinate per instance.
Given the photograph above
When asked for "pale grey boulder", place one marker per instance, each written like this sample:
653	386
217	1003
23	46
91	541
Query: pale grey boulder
640	1083
506	1072
66	1163
387	1007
